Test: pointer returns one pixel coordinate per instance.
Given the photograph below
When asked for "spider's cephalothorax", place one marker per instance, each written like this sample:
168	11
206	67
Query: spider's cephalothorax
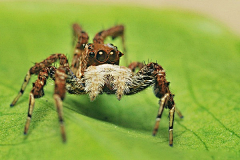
94	70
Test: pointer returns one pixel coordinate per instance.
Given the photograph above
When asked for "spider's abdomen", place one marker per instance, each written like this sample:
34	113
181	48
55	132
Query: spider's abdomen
107	78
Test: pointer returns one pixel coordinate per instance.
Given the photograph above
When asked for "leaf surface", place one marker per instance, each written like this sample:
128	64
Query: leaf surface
201	58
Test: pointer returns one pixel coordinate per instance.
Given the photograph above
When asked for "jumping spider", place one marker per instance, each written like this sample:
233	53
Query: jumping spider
95	70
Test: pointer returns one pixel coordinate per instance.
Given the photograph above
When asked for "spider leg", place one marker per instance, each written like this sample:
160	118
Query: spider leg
162	104
153	73
35	70
59	94
179	113
36	92
82	38
113	32
135	65
171	120
23	87
43	68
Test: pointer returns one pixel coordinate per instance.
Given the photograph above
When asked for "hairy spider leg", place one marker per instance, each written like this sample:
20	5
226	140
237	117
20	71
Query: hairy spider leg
23	87
162	104
35	70
60	76
78	57
135	65
113	32
36	92
59	95
153	73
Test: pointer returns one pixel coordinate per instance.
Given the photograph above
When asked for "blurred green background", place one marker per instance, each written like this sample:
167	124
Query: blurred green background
200	55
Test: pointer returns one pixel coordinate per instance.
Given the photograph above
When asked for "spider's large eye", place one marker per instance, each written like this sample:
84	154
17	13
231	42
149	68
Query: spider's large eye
101	56
113	56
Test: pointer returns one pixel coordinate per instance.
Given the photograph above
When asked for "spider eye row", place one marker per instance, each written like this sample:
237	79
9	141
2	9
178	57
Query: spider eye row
102	56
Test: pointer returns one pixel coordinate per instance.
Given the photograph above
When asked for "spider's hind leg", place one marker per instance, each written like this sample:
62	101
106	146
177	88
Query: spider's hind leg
162	91
82	38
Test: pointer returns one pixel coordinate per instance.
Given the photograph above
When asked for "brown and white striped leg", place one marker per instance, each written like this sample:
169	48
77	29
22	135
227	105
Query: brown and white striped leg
59	94
162	104
35	70
23	87
36	92
30	111
171	120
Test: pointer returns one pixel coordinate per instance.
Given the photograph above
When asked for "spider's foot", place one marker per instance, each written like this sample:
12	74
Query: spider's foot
155	132
16	98
27	125
13	103
64	138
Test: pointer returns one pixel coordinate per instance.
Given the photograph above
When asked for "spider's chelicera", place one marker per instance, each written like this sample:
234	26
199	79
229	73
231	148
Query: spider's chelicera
94	70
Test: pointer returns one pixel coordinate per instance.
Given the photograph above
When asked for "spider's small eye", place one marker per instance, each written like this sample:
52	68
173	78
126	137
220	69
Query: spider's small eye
101	56
120	54
113	56
92	54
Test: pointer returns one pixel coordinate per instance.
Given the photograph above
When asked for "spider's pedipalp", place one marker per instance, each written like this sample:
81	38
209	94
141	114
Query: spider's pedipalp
107	78
94	81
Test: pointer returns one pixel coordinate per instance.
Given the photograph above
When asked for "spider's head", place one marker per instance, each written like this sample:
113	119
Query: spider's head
102	54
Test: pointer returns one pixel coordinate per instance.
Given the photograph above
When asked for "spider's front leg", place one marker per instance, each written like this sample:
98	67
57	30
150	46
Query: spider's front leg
59	95
37	92
149	74
162	91
165	102
44	68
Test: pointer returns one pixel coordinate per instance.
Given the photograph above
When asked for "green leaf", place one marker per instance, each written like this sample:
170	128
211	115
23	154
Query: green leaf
201	58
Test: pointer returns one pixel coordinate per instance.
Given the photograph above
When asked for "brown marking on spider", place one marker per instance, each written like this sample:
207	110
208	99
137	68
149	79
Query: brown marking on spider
95	70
